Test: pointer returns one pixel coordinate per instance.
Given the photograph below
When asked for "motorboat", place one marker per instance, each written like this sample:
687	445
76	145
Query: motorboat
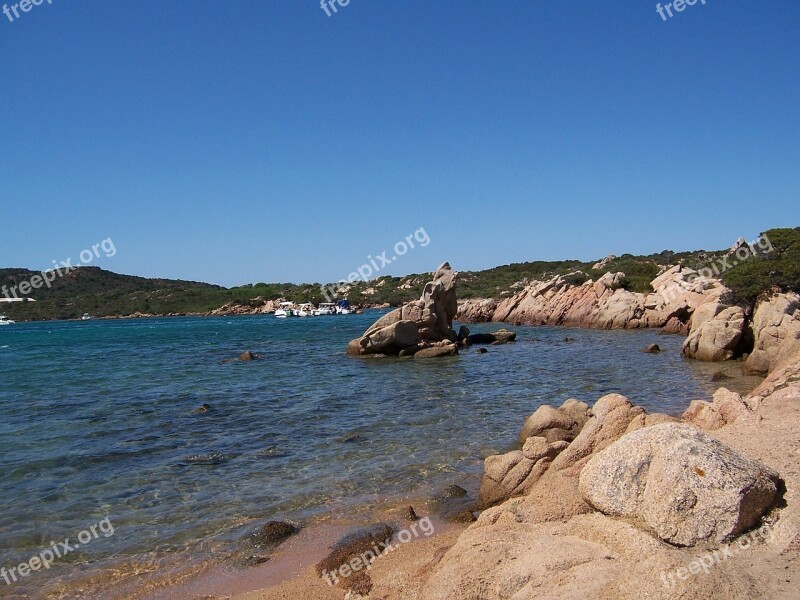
285	309
325	308
343	308
305	310
86	317
5	321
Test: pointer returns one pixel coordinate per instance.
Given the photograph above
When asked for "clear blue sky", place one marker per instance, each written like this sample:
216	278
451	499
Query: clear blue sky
249	140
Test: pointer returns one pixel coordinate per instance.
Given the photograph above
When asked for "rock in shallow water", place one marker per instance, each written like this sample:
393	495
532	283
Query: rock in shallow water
684	485
249	356
273	533
502	336
354	545
437	351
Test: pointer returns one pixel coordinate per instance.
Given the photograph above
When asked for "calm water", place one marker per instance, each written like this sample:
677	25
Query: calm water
96	420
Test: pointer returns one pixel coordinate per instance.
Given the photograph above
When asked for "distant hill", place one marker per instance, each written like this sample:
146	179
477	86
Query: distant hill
105	294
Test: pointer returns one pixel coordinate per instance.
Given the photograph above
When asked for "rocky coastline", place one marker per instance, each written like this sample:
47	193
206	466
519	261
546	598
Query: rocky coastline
683	302
609	501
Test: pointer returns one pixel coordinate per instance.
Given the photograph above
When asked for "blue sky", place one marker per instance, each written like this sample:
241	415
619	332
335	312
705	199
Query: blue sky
253	140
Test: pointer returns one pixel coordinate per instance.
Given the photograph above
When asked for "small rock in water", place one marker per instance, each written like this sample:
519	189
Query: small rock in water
249	356
254	561
652	349
203	408
273	533
453	491
353	438
410	514
437	351
569	339
212	458
720	375
481	351
271	452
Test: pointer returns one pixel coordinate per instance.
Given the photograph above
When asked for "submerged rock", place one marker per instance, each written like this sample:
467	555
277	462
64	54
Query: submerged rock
249	356
652	349
684	485
503	336
437	351
203	408
353	545
212	458
454	505
273	533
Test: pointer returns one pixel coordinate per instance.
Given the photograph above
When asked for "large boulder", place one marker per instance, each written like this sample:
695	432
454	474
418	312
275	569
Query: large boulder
716	338
682	484
776	329
415	325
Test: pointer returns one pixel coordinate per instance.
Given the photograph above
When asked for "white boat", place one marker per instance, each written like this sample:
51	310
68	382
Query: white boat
86	317
325	308
285	309
343	308
305	310
5	321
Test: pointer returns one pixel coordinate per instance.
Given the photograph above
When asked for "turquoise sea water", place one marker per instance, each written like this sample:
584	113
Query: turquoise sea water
96	421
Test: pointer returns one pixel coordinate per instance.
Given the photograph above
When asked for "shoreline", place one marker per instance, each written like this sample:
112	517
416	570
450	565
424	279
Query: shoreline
406	574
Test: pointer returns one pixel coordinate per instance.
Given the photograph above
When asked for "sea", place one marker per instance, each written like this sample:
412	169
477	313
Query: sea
99	426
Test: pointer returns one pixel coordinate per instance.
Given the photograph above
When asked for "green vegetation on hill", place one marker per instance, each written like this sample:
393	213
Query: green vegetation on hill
776	269
102	293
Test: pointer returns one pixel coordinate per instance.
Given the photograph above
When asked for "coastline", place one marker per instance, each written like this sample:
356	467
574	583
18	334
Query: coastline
291	567
550	508
770	570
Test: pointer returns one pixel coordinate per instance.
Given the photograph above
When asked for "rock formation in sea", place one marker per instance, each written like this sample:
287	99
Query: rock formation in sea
424	328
